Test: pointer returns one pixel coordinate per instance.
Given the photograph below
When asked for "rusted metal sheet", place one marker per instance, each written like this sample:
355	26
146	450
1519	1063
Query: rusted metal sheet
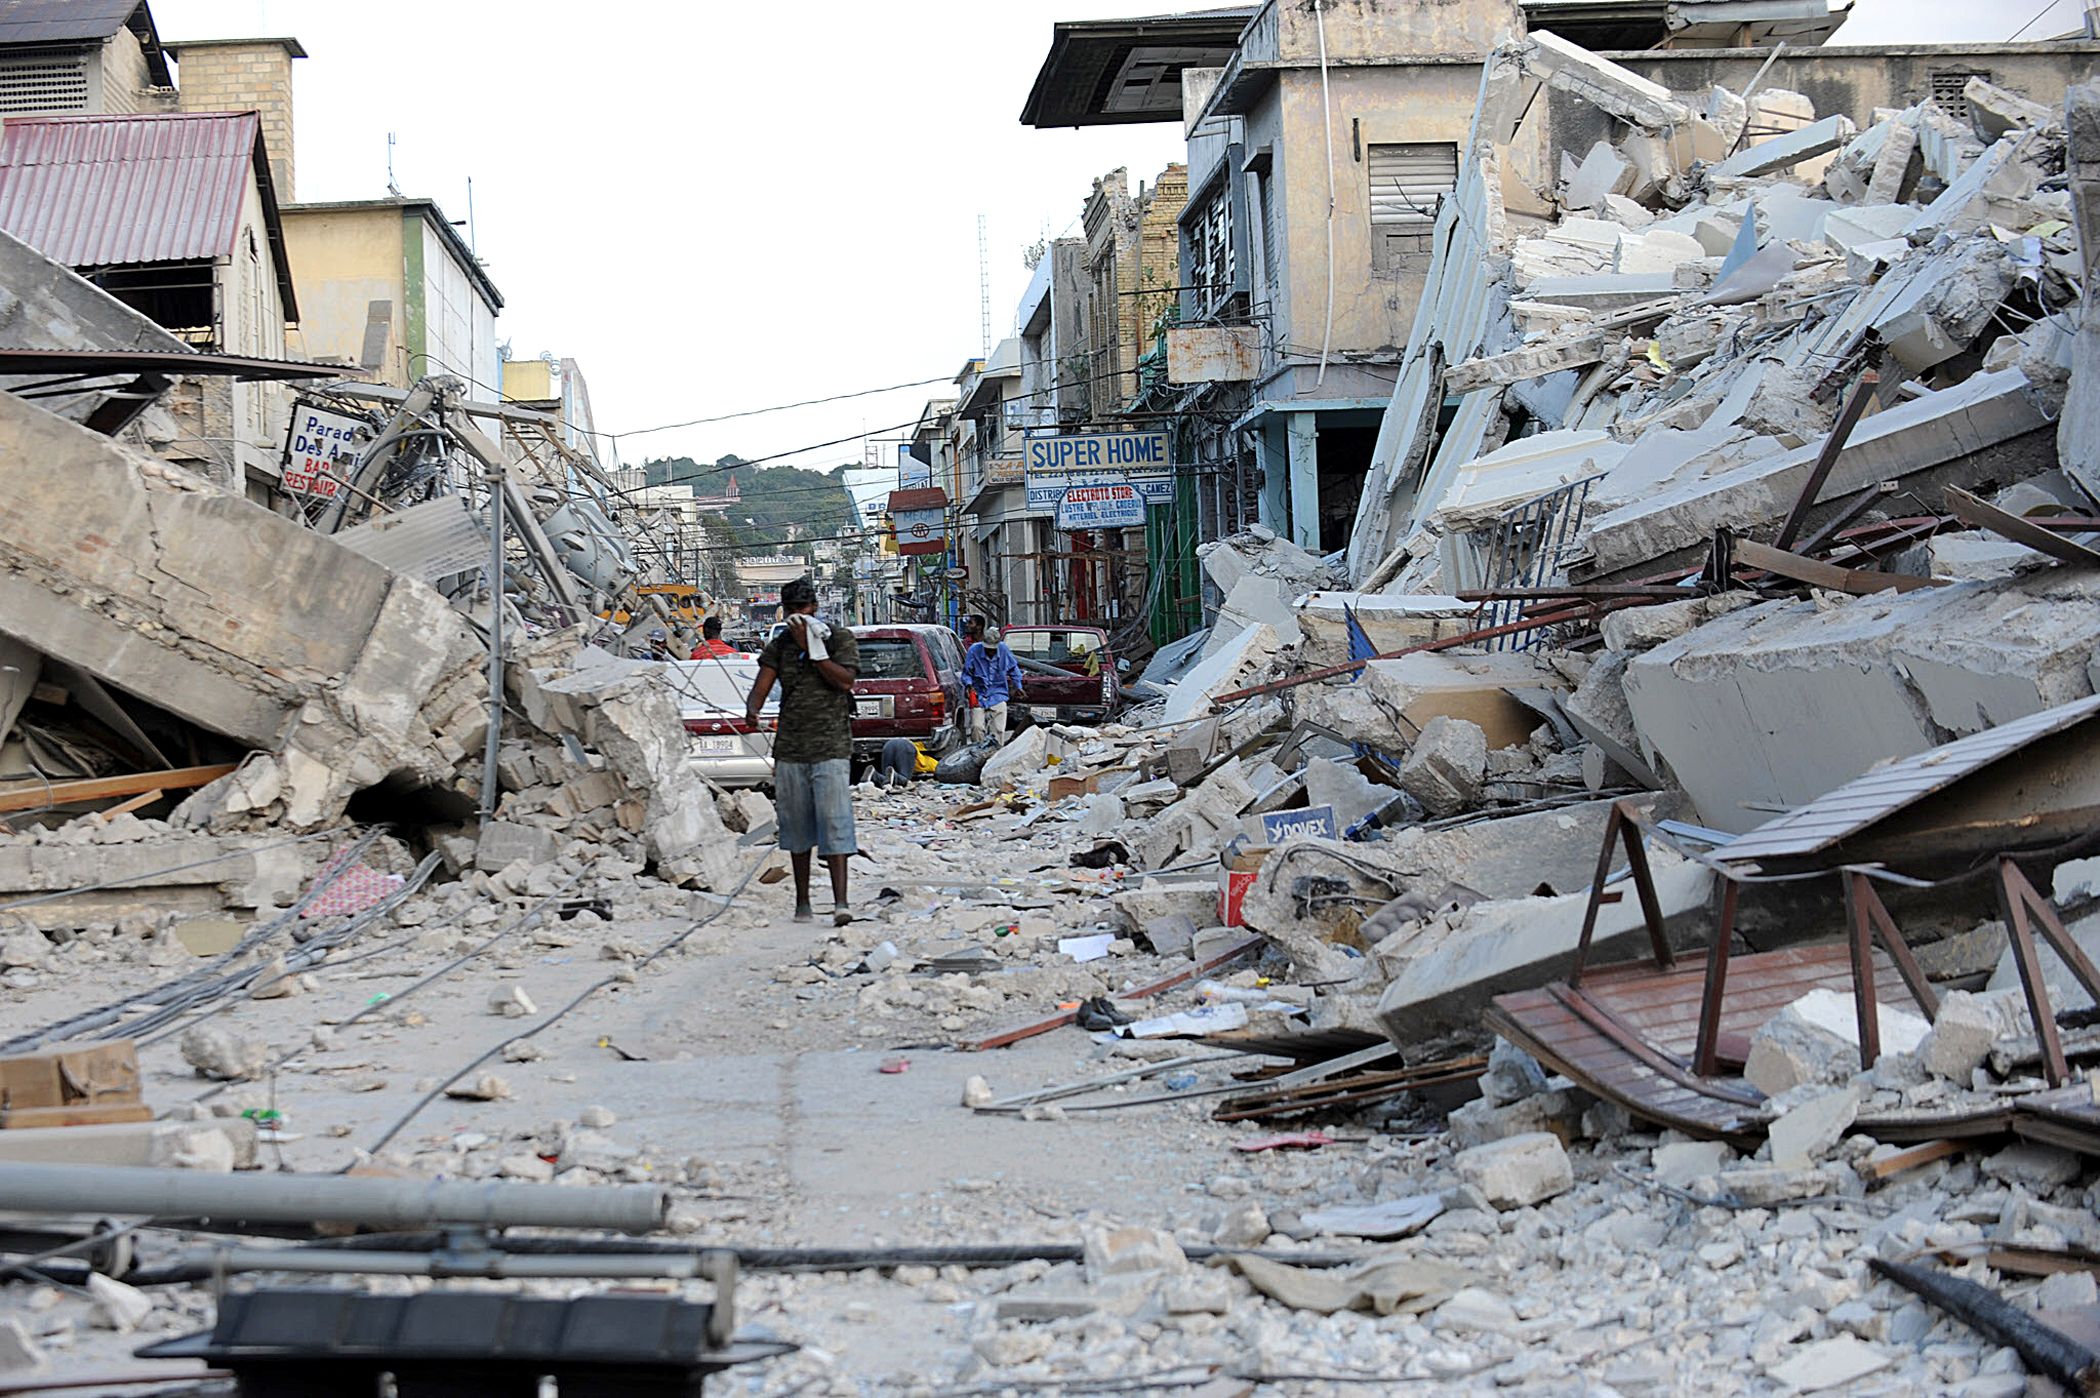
1970	510
1877	795
1213	353
99	191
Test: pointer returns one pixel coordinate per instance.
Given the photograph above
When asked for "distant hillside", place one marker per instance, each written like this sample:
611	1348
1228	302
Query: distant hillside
775	498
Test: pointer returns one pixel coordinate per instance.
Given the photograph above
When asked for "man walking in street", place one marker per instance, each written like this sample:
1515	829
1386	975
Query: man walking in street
994	676
815	665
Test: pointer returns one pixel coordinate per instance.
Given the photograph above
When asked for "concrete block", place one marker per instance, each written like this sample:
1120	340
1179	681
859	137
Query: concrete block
142	1143
1446	766
1603	171
1816	1040
1122	1252
1558	1113
503	842
1623	93
1390	622
1961	1037
1808	1131
1023	756
1517	1172
1658	250
1681	1162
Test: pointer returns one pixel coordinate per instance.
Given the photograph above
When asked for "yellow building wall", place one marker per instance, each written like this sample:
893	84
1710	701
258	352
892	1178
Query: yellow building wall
528	381
342	261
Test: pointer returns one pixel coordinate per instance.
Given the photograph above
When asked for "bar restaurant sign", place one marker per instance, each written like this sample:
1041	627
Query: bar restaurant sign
320	448
1098	480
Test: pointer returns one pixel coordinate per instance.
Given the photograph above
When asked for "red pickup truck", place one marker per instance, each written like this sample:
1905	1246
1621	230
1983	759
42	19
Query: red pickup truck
1067	673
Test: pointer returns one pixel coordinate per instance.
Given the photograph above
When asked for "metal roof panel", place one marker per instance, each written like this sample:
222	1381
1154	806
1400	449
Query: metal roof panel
98	191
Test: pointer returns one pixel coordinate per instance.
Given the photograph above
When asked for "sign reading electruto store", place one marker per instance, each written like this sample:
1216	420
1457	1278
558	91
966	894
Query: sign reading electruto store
320	448
1116	505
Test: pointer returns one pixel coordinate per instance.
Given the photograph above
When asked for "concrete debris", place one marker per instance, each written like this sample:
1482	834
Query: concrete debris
1518	1171
1615	570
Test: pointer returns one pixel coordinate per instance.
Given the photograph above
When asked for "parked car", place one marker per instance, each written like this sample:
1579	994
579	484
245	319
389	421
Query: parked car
1084	688
711	696
910	686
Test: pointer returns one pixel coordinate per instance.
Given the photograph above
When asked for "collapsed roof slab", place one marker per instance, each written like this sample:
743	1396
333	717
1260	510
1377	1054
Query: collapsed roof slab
1621	92
1778	703
1983	412
217	610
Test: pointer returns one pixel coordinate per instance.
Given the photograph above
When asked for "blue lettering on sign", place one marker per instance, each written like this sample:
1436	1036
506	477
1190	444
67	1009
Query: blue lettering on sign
1314	822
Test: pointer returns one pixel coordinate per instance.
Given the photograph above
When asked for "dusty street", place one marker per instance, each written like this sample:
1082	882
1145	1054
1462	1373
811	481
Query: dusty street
755	1087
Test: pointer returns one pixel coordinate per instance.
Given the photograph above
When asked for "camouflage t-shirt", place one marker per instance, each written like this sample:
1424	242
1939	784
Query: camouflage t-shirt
816	721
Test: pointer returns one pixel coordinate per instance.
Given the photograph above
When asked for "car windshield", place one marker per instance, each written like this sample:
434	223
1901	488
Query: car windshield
1054	647
885	658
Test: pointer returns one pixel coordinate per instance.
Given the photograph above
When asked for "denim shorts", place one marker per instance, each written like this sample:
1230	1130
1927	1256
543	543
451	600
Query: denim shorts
813	803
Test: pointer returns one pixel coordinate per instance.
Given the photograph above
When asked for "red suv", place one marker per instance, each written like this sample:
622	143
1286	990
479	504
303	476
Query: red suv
910	686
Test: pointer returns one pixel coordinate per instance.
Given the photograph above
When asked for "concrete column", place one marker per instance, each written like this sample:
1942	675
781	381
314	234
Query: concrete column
1304	439
1273	505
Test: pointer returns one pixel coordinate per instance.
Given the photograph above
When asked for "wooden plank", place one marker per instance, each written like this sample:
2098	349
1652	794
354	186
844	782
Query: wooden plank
143	799
27	798
1911	1159
1817	573
81	1114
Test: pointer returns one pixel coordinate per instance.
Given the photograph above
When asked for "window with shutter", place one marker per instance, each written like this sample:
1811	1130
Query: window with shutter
43	82
1407	182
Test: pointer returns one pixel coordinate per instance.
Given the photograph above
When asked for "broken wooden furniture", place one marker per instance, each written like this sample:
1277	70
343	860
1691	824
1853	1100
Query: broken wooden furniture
1664	1038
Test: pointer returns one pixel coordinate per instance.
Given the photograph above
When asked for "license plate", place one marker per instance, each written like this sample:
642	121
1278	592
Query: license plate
1043	713
869	708
717	747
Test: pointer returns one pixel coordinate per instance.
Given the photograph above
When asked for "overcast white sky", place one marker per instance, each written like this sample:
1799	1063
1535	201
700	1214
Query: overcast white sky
715	208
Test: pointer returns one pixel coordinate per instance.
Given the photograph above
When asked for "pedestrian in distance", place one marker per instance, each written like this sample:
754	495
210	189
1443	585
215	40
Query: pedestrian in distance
659	645
815	664
994	676
711	642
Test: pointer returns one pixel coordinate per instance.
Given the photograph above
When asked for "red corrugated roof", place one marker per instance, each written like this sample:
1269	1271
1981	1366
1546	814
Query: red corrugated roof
99	191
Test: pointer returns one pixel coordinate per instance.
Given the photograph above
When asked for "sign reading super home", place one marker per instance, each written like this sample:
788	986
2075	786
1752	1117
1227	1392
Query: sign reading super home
1058	463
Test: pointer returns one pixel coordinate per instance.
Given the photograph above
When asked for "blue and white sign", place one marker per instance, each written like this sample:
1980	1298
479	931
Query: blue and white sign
1060	462
1114	505
912	473
1144	450
1314	822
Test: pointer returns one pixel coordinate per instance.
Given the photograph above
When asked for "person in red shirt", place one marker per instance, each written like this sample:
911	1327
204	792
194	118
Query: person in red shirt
711	642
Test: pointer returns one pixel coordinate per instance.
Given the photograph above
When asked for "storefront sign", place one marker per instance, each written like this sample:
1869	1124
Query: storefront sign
1116	505
921	531
1086	460
320	448
912	473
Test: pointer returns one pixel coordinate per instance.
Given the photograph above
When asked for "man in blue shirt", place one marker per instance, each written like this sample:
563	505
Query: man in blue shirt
994	676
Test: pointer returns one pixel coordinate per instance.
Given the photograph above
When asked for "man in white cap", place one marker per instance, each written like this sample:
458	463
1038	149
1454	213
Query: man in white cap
994	676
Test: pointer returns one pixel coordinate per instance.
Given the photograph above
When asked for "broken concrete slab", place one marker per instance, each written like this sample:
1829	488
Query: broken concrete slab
1228	668
1886	676
1444	971
1780	152
1600	82
1428	685
1956	425
172	873
1389	622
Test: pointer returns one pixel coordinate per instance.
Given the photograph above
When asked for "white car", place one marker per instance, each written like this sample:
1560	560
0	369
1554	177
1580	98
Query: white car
711	696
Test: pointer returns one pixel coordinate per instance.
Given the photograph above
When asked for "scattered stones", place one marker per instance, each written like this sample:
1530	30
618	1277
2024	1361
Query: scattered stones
117	1306
511	1002
218	1052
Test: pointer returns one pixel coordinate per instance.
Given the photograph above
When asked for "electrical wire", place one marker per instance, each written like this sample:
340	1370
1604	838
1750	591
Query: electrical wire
179	989
586	993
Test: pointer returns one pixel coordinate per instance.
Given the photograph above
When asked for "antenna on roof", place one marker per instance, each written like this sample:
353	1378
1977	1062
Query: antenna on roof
391	187
984	291
471	248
